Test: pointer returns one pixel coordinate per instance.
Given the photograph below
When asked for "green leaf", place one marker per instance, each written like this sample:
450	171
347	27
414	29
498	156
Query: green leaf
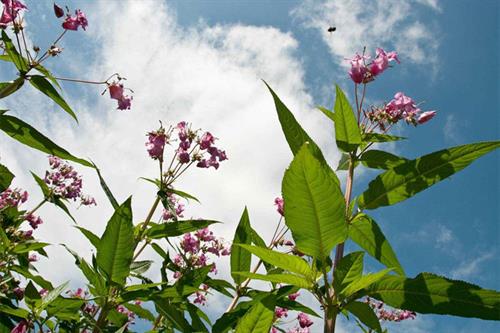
379	159
28	246
14	55
347	132
196	322
52	295
363	282
8	88
47	74
365	232
430	293
50	197
365	314
182	194
292	279
241	259
116	248
314	206
35	278
24	133
106	189
408	179
93	238
140	311
140	267
377	137
327	113
42	84
17	312
348	269
173	229
287	262
295	135
172	313
259	318
5	178
344	162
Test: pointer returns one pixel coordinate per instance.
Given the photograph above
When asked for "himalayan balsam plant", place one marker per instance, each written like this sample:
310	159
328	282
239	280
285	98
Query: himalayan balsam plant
304	255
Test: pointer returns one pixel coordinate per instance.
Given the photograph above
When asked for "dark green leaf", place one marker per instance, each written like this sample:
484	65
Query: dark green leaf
17	312
344	162
42	84
28	246
47	74
429	293
241	259
259	318
173	315
182	194
364	313
408	179
35	278
295	135
363	282
196	322
379	159
106	189
8	88
116	248
291	279
93	238
365	232
314	206
5	178
173	229
140	311
348	269
14	55
24	133
347	132
140	267
377	137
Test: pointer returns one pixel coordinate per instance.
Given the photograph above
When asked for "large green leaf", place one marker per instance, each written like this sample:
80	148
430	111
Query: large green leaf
8	88
348	269
116	248
51	296
430	293
347	132
379	159
14	55
314	205
363	282
24	133
295	135
408	179
259	318
5	178
291	279
173	314
42	84
365	232
174	229
287	262
93	238
364	313
241	259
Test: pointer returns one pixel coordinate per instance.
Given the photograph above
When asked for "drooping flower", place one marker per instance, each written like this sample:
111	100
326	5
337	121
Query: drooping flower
426	116
156	143
304	320
73	22
279	203
381	61
358	68
117	91
10	11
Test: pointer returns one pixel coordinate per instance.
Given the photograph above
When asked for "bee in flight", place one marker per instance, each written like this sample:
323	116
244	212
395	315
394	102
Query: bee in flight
331	29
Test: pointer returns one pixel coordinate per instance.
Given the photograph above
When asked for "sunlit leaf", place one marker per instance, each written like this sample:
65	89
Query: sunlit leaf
347	132
259	318
241	259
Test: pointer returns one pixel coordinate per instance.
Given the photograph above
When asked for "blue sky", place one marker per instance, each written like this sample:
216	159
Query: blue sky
202	61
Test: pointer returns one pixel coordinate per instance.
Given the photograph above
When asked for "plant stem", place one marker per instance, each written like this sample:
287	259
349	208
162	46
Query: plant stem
40	204
145	224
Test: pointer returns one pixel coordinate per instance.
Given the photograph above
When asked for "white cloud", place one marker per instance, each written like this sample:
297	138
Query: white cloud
452	129
471	268
387	23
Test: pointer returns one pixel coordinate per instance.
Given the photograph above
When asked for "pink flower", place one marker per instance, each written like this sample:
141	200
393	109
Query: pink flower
18	292
183	156
10	11
293	297
32	258
12	198
190	244
206	140
381	62
280	312
87	200
21	327
426	116
156	144
33	220
304	320
279	203
358	68
117	91
73	22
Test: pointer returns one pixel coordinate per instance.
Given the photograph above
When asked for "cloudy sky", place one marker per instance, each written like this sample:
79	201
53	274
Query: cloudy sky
203	62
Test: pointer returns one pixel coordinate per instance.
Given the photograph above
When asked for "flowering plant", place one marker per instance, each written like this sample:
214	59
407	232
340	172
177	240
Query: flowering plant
305	254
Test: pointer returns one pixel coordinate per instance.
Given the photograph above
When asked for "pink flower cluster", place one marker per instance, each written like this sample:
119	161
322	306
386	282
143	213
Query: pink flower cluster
389	315
88	308
176	210
65	182
304	322
201	296
117	91
10	11
363	72
12	198
401	107
71	22
196	247
22	327
192	147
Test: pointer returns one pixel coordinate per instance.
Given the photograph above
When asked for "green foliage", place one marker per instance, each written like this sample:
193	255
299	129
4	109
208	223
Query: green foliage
5	178
348	270
379	159
291	279
241	259
314	205
14	56
173	229
259	318
43	85
377	137
365	232
365	314
8	88
409	178
24	133
430	293
347	132
116	248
